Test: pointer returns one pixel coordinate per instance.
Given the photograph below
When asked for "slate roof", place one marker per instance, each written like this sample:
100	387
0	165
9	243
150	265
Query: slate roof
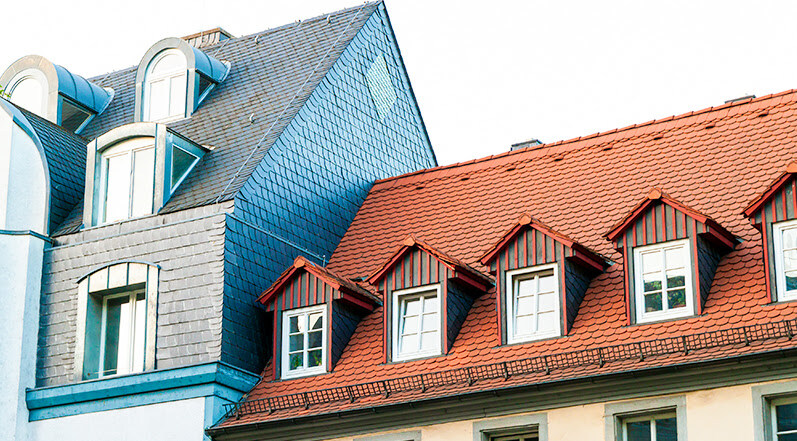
272	74
66	162
714	160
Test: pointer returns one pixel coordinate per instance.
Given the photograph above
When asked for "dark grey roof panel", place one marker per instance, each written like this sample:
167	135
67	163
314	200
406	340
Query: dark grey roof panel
272	74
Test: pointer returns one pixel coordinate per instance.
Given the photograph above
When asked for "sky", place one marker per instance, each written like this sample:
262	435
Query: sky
486	74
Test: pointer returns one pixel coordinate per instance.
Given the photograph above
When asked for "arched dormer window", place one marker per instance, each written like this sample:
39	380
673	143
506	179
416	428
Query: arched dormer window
165	90
133	170
173	78
28	90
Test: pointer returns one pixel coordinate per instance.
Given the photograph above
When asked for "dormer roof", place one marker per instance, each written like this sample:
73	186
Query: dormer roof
656	196
771	191
526	221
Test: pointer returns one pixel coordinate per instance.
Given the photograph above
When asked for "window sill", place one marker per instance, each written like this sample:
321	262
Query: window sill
304	374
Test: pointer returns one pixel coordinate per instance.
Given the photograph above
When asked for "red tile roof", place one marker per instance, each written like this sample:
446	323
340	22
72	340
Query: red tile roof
756	205
715	160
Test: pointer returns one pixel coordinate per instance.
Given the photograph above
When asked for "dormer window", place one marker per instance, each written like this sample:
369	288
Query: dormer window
165	90
785	237
416	323
28	91
303	336
128	179
663	282
533	304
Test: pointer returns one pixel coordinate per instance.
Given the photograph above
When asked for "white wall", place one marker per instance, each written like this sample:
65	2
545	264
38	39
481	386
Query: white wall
23	205
173	421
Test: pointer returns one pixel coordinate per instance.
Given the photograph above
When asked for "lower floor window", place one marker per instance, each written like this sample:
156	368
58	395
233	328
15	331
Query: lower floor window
784	419
660	427
122	336
525	436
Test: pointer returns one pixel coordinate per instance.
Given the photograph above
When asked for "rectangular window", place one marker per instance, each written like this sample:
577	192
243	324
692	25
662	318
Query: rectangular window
416	323
663	284
659	427
128	180
525	436
785	237
123	333
532	304
304	341
784	419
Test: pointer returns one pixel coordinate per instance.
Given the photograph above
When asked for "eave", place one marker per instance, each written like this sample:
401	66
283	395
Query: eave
776	185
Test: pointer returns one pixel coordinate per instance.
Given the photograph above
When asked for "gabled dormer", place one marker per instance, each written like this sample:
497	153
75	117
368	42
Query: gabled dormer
173	78
670	253
774	212
133	170
54	93
427	295
315	314
542	278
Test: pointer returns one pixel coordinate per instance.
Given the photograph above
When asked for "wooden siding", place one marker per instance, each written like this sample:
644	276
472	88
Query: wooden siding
660	223
531	247
303	290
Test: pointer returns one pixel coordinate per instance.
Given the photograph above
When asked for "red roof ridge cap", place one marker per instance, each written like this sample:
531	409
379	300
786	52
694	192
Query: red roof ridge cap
543	150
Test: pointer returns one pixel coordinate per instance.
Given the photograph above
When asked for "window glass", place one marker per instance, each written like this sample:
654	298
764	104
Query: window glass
303	341
166	87
525	436
123	330
72	116
651	428
533	305
128	180
28	94
143	181
418	324
788	260
181	163
663	280
117	187
785	416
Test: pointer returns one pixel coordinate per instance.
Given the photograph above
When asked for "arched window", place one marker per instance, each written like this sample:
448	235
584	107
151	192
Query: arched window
127	179
27	91
166	87
116	323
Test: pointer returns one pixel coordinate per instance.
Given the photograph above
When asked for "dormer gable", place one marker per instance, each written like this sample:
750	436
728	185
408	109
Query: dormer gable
315	315
532	255
427	295
670	253
774	212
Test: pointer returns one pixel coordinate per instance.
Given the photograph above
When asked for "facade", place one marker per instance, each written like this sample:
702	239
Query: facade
629	285
143	211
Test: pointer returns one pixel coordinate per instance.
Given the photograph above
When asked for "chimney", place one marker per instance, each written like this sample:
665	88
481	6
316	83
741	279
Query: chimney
741	98
207	38
522	145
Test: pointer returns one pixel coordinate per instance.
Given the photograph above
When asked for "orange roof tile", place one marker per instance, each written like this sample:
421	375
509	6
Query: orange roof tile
714	161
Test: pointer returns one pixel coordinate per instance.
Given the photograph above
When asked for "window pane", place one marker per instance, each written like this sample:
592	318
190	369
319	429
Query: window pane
177	99
410	325
429	341
143	181
525	287
547	284
653	302
169	63
139	334
676	298
430	322
675	281
547	302
181	162
28	94
675	258
790	238
524	324
114	327
430	304
652	282
412	307
525	305
296	343
546	321
638	431
158	100
296	361
316	320
314	358
787	417
409	343
117	187
314	339
72	117
294	324
788	437
651	262
666	430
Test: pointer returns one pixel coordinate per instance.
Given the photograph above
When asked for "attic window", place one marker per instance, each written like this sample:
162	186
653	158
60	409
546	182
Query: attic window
663	282
73	116
182	162
27	90
381	87
166	87
532	304
416	322
127	180
303	337
785	237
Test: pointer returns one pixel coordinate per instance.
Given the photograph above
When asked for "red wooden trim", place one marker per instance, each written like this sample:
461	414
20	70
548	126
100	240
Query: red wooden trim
464	277
770	191
357	301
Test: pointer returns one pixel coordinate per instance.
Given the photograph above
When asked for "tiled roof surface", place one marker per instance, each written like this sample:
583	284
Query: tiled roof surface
272	74
716	161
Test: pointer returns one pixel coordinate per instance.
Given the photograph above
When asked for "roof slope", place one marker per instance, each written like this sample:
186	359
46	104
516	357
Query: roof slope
272	74
715	160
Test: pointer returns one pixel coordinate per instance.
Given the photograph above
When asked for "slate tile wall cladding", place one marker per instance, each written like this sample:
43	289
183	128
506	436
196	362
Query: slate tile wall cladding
708	258
577	280
314	179
188	246
459	300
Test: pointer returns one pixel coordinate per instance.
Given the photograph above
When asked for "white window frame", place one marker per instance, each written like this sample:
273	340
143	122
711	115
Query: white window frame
780	273
396	340
131	369
639	292
150	78
511	335
648	417
129	148
304	371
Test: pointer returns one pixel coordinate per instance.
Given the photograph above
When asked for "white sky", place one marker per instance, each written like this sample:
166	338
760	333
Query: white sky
486	73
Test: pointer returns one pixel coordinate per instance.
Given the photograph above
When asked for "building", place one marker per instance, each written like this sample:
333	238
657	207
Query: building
630	285
143	211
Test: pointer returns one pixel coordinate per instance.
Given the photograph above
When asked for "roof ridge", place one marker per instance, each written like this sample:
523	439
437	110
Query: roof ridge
548	149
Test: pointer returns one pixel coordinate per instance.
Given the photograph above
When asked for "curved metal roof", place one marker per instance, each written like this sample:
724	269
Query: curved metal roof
82	91
209	66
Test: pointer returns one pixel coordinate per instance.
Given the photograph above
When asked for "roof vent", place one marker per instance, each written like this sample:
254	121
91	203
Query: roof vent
207	38
522	145
741	98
